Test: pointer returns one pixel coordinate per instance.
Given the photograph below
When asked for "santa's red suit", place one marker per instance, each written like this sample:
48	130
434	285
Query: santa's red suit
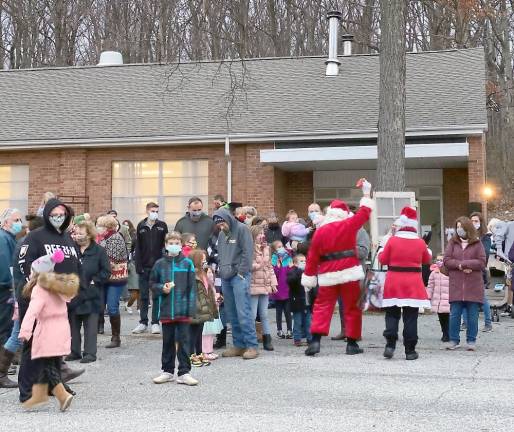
333	263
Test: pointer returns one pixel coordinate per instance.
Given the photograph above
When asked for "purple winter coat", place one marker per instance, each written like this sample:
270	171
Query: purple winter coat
282	268
465	286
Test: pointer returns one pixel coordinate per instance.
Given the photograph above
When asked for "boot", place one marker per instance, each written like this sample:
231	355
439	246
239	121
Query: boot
62	396
341	335
68	374
6	358
410	352
314	345
101	321
390	347
115	327
39	397
17	358
258	330
353	348
266	342
221	340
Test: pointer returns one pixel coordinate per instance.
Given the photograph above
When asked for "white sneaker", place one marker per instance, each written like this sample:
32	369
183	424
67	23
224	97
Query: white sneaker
164	377
471	346
453	346
129	310
140	328
156	329
187	379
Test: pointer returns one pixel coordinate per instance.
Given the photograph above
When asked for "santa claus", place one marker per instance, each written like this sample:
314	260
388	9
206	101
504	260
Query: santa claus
333	263
404	290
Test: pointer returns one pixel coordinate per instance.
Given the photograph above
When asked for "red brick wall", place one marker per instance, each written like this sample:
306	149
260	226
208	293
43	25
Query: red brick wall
455	194
476	170
300	191
281	193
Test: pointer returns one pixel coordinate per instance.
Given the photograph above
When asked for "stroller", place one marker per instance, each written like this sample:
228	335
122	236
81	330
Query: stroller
498	286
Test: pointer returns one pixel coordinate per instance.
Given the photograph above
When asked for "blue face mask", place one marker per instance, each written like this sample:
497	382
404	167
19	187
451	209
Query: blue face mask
16	227
281	251
174	249
301	265
313	215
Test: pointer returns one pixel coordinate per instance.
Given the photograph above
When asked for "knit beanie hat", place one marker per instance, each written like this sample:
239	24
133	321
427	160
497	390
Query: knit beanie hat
46	263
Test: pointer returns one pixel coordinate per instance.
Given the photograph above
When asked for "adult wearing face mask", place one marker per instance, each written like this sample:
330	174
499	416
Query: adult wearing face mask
273	231
150	235
465	260
196	222
43	241
11	225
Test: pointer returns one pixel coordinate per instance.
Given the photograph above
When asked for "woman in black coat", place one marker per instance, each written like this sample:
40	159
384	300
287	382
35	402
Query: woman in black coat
84	309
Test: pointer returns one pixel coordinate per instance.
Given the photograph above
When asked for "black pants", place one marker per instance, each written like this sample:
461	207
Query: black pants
444	320
144	298
410	326
49	371
285	307
195	339
169	350
6	311
89	322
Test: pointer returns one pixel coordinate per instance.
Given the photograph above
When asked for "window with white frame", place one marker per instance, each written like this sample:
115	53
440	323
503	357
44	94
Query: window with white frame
168	183
14	187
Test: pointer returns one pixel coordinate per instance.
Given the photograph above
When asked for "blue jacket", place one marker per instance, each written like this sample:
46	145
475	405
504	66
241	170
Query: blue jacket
180	303
7	245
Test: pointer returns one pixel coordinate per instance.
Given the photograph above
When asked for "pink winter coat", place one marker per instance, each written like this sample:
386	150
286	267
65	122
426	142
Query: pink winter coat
47	308
438	291
264	280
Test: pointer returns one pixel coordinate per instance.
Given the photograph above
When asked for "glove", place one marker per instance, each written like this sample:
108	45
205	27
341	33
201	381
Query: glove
366	187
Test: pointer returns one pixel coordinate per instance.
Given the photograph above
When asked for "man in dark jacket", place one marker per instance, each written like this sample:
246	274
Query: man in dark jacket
150	233
235	255
44	241
196	222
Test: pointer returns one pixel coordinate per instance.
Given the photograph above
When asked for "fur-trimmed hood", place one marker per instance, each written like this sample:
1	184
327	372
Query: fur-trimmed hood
66	285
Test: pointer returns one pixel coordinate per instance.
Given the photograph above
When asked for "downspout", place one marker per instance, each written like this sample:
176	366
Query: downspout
229	169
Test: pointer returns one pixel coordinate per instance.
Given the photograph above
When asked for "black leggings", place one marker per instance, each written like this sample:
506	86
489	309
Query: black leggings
50	372
285	307
195	339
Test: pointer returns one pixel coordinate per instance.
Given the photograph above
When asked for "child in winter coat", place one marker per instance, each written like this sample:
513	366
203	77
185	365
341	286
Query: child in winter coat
438	291
188	243
206	309
173	280
51	338
264	282
282	263
301	303
292	229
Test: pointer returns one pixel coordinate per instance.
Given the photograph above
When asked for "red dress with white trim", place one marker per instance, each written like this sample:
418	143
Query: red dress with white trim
404	253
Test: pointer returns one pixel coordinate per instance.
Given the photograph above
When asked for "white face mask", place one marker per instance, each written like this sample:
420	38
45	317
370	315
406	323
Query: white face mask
476	225
153	215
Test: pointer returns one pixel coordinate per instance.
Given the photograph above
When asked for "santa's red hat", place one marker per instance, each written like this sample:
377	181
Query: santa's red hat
338	210
408	218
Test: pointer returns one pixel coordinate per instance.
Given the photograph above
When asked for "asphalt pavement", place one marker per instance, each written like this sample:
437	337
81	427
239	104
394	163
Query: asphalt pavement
284	390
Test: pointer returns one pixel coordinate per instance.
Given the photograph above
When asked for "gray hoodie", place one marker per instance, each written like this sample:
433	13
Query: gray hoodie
235	248
504	237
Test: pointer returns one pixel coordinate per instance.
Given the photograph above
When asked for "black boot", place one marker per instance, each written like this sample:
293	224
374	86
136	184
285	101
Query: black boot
115	327
389	349
352	347
410	352
6	358
314	345
266	342
101	321
68	374
221	340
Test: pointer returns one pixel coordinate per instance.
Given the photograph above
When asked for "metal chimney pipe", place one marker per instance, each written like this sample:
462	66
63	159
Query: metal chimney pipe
347	44
334	17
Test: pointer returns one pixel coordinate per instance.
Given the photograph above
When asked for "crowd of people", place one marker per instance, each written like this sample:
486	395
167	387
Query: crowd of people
61	274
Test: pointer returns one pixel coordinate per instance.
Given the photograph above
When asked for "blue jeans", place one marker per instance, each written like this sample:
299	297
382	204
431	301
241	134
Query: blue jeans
487	313
260	304
13	343
302	325
112	298
456	310
238	309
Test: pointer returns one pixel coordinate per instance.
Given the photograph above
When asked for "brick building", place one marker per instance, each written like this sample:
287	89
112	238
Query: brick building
118	136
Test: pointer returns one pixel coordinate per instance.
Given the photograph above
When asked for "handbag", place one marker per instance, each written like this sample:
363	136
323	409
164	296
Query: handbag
119	271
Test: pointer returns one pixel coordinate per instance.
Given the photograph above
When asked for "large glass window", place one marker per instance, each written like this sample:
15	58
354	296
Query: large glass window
14	187
168	183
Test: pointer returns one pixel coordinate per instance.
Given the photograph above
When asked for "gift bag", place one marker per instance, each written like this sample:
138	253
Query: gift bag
213	327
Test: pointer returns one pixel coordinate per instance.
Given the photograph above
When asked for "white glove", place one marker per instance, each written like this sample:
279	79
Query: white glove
366	187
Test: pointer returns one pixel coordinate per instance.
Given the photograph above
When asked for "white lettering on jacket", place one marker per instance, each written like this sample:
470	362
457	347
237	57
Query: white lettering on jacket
68	251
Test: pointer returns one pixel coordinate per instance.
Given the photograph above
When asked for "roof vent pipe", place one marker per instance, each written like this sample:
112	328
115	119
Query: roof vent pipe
347	44
334	17
110	58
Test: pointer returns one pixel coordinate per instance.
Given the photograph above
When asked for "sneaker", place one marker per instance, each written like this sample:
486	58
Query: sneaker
487	328
471	346
205	361
164	377
88	359
156	329
140	328
453	345
211	356
196	361
281	335
289	335
187	379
